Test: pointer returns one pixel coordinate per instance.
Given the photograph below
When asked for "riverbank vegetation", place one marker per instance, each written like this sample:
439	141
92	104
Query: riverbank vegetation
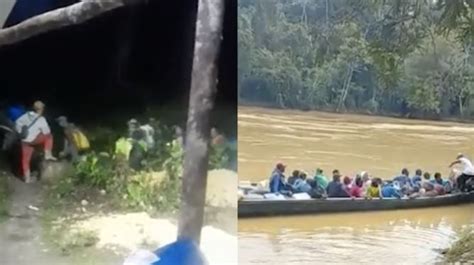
157	185
403	57
462	251
102	183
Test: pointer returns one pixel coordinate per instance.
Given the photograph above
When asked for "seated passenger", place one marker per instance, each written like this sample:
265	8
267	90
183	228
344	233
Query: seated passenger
294	177
374	190
437	179
357	188
347	182
366	181
404	180
416	180
300	184
426	183
335	188
320	179
391	190
277	179
440	186
428	188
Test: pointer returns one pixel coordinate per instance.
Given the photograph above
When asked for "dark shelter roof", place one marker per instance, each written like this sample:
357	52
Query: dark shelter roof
123	61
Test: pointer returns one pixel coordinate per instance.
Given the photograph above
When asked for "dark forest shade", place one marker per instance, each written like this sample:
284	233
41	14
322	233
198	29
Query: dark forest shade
125	60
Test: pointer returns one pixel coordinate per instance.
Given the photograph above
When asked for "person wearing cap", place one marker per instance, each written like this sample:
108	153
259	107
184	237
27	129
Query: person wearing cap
34	131
467	171
74	139
277	179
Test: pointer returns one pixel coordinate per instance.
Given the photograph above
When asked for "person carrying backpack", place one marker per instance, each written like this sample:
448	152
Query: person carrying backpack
33	130
75	140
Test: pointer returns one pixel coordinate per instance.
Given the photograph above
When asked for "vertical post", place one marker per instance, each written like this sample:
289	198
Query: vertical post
209	25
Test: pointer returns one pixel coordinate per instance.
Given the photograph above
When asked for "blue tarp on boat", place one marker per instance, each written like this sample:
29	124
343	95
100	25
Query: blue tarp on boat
25	9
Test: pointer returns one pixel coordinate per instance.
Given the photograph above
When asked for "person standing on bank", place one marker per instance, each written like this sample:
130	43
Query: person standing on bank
467	171
34	131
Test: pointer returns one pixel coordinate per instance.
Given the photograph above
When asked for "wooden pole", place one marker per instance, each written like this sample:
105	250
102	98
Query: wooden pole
59	18
209	25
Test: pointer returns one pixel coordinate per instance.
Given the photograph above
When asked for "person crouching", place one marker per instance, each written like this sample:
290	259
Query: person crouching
75	142
34	131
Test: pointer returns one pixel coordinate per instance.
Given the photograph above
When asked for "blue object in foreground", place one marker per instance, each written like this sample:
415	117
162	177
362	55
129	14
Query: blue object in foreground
15	112
181	252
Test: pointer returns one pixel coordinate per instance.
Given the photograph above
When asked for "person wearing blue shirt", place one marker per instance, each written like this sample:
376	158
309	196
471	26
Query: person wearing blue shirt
416	180
277	179
391	190
404	180
301	185
335	189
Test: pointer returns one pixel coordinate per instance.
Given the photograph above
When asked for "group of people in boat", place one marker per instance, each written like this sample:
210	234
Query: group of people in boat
365	186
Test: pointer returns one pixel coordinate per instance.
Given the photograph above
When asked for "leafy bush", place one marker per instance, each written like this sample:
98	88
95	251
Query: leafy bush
173	165
147	189
219	157
95	170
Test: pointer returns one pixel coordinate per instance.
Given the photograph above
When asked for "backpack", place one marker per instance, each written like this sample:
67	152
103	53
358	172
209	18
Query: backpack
80	140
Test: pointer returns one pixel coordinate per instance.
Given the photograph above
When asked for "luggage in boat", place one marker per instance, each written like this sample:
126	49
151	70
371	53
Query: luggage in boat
254	196
273	196
301	196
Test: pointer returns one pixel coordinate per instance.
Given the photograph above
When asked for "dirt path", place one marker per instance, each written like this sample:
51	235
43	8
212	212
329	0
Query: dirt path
20	234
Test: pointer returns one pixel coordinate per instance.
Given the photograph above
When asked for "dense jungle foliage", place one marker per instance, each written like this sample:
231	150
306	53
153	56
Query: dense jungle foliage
404	57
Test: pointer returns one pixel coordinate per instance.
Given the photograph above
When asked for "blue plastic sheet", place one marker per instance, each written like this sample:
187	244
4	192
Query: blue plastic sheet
181	252
25	9
15	112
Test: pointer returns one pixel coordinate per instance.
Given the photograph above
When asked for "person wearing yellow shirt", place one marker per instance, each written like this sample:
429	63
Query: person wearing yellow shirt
373	191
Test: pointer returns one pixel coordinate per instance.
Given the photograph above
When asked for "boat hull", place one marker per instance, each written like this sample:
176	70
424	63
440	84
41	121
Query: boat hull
260	208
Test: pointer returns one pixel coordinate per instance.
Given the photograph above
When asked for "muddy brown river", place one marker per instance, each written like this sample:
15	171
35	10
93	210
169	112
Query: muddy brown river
350	143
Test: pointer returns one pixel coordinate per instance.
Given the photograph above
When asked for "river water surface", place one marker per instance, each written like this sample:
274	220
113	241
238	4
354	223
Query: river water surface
350	143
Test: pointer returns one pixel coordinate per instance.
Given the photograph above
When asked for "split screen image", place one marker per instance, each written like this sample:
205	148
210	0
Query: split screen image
225	132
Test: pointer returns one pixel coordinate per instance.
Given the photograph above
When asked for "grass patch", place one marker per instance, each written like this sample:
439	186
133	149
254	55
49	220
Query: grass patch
71	241
463	249
3	197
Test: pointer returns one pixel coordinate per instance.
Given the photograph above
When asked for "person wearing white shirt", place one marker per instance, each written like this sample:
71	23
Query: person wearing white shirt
467	171
37	133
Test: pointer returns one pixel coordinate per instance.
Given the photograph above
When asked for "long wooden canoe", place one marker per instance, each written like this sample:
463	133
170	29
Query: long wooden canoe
260	208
